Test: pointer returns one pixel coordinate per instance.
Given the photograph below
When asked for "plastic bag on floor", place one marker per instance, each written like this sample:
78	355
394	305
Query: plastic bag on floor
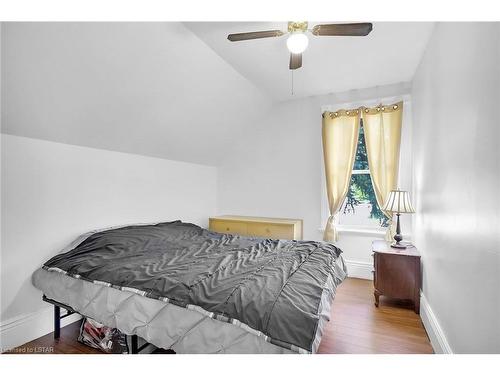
106	339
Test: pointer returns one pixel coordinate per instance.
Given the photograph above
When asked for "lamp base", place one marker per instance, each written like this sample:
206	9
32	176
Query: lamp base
398	237
398	245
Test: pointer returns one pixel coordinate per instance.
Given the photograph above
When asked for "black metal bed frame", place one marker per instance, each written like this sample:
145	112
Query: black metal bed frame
135	348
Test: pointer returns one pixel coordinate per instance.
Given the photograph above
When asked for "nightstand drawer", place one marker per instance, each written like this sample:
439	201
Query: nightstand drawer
399	278
397	273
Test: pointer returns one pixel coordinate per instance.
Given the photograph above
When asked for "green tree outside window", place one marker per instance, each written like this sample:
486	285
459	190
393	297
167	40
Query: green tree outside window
361	188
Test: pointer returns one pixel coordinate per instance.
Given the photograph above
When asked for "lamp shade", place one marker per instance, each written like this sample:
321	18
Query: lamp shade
398	201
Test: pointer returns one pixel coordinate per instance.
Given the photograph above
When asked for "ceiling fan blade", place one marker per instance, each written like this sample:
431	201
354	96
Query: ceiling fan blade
343	29
254	35
295	61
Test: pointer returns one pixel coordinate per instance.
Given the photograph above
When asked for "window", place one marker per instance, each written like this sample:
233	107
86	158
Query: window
360	207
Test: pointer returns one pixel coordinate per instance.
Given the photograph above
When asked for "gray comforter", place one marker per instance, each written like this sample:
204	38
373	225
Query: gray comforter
273	286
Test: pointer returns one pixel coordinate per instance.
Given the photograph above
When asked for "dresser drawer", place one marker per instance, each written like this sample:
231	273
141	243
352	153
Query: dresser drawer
274	231
252	226
232	227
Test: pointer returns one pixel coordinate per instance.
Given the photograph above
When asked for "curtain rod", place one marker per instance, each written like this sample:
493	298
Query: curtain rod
356	104
351	112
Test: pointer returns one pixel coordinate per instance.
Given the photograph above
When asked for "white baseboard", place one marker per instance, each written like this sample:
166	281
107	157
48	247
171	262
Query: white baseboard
360	270
434	331
27	327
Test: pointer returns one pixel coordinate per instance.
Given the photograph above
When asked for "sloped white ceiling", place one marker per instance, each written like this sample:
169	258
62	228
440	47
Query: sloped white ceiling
146	88
178	91
389	54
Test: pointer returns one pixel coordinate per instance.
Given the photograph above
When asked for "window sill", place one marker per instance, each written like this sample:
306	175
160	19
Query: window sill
366	232
359	231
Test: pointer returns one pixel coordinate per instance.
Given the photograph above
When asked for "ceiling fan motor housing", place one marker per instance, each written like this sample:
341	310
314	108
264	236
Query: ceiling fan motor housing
294	27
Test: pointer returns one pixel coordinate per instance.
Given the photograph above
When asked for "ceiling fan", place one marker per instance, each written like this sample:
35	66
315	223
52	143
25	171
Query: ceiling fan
297	41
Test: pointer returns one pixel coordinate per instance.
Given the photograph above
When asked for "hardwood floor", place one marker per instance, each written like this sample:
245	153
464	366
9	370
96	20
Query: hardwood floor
357	327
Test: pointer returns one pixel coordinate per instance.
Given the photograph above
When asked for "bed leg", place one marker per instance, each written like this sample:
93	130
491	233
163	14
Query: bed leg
57	322
134	344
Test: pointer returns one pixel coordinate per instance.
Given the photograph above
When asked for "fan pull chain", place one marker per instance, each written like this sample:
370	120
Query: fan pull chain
292	84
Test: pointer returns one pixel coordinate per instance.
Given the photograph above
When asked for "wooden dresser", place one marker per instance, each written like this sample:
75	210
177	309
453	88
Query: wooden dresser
396	273
265	227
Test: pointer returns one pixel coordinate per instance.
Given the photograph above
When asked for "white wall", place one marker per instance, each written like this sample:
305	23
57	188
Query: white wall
148	88
144	88
52	192
457	182
276	169
270	174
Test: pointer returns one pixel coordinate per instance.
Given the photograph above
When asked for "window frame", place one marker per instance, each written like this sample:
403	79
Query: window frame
349	228
358	227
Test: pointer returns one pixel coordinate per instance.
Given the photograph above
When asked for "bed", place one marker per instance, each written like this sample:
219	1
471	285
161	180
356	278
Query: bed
181	287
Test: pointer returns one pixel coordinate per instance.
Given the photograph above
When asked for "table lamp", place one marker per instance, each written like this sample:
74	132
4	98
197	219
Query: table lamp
398	202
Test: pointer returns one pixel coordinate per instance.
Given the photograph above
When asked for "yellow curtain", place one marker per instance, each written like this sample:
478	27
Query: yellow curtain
382	127
340	138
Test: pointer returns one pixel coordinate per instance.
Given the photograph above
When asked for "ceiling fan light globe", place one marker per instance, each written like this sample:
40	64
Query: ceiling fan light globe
297	42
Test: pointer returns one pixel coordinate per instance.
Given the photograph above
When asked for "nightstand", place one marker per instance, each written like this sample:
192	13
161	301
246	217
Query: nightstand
396	273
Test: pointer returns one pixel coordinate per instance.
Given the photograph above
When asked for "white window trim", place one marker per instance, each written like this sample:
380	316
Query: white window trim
359	229
364	231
